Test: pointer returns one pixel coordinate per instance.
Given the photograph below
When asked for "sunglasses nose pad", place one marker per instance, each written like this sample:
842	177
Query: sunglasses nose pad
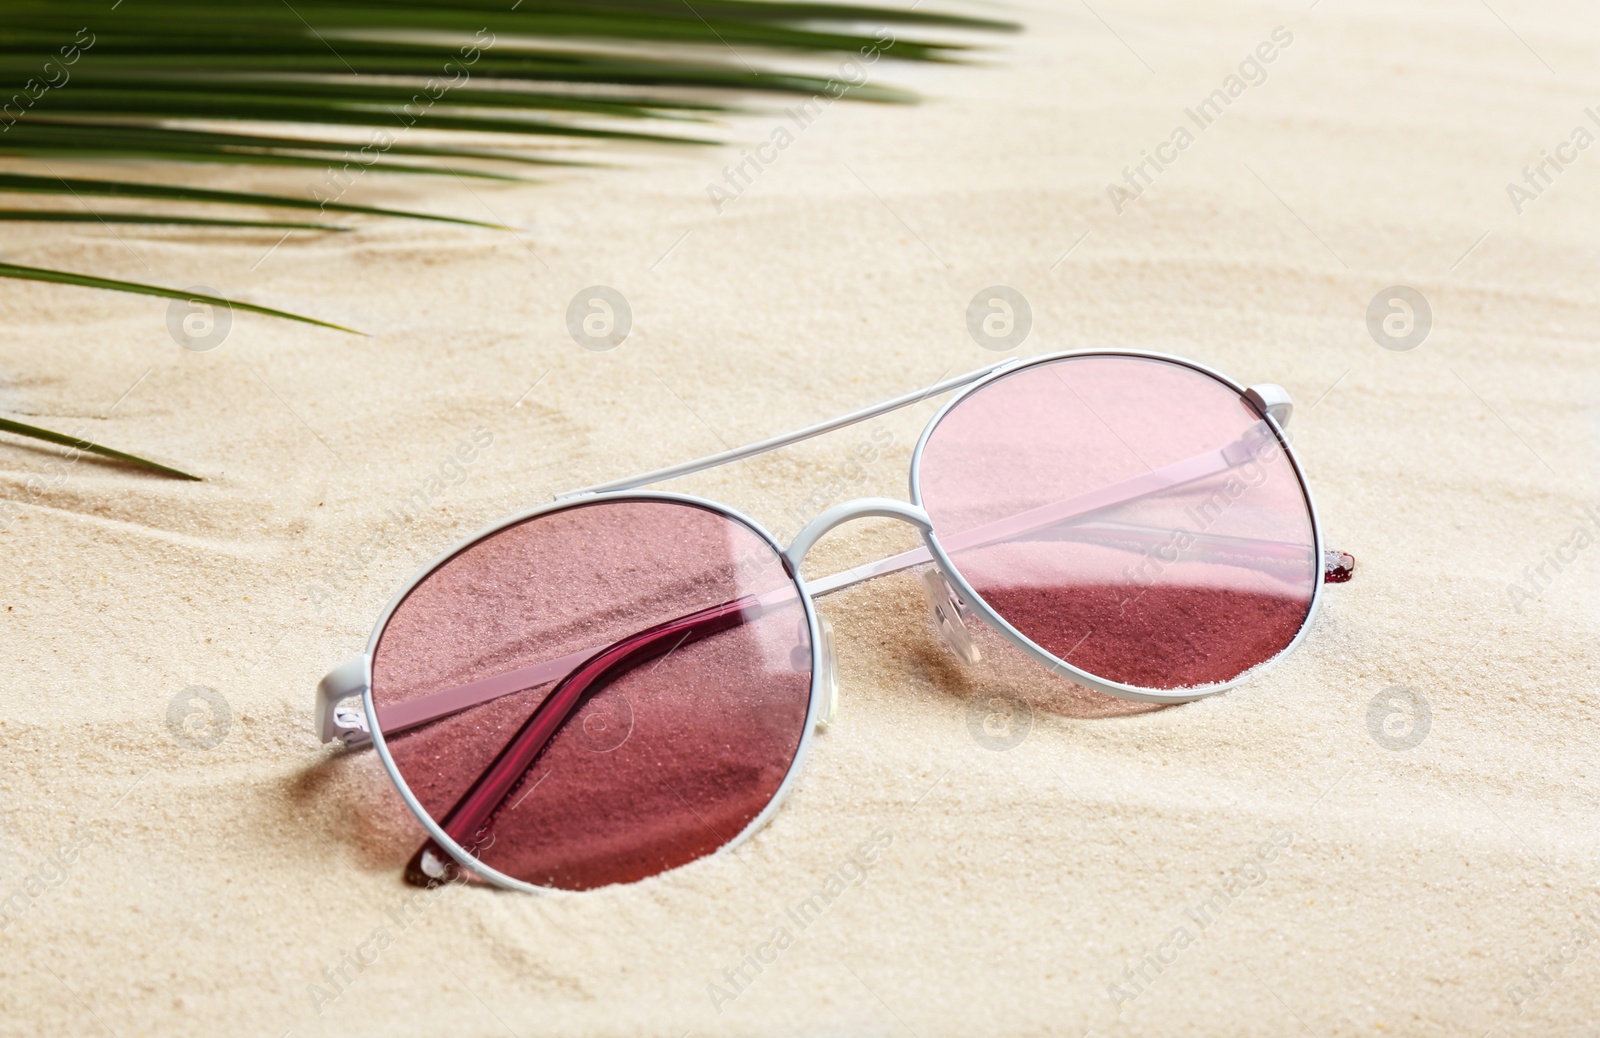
949	615
829	675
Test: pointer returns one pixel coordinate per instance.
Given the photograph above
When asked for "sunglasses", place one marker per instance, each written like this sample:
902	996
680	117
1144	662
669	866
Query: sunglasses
623	682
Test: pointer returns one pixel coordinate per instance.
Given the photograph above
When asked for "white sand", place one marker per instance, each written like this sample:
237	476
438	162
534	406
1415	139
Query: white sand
210	888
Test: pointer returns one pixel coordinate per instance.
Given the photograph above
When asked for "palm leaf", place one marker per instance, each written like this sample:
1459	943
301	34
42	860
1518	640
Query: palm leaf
239	82
27	184
61	216
205	81
62	277
45	137
34	432
132	83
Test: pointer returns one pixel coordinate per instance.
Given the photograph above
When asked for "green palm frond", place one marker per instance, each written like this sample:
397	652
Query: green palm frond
62	277
400	86
65	216
340	84
133	81
35	433
45	137
23	183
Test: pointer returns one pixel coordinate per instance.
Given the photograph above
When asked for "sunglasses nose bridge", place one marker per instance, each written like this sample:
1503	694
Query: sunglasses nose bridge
861	508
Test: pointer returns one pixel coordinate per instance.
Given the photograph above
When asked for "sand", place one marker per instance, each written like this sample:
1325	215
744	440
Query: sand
1272	861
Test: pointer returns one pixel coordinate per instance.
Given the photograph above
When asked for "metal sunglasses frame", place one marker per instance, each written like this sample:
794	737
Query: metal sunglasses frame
336	721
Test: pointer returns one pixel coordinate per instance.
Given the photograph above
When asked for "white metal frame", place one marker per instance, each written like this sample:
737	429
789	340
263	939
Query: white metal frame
815	712
1273	397
355	677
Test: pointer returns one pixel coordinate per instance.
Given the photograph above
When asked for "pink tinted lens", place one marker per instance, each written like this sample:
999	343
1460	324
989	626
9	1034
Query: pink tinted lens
1133	517
670	746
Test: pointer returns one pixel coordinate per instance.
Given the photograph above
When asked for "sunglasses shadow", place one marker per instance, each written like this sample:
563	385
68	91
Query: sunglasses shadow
896	610
345	801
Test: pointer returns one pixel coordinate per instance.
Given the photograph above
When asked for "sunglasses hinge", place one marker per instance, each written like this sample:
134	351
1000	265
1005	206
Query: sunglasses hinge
1272	399
336	717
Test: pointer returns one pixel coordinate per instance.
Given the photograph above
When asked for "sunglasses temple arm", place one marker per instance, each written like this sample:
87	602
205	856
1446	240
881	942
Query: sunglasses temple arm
469	821
1337	568
400	717
751	450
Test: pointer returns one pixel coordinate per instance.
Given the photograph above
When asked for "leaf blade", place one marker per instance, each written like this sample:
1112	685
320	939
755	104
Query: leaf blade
62	216
62	277
25	183
36	433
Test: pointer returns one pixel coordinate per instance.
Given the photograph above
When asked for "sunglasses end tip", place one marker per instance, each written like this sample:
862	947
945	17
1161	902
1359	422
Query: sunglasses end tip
431	867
